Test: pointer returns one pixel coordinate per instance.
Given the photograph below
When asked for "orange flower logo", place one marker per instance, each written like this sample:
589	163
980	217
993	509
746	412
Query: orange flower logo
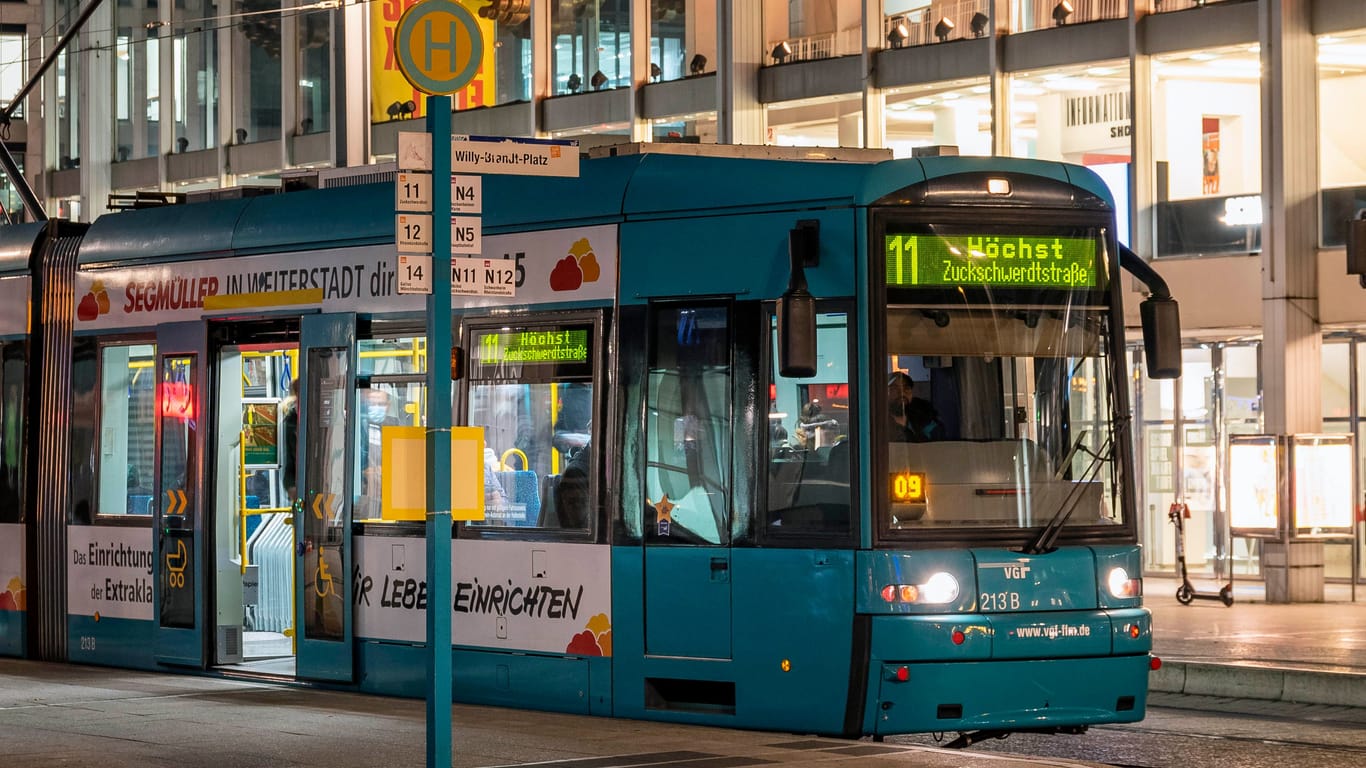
594	640
14	599
577	268
93	304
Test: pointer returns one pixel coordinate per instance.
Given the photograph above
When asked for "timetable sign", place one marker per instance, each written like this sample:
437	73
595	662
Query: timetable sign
467	194
414	273
413	192
484	277
413	231
466	235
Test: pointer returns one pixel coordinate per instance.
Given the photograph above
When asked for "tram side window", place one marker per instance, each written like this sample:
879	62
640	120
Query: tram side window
809	437
531	389
127	444
12	369
391	392
687	427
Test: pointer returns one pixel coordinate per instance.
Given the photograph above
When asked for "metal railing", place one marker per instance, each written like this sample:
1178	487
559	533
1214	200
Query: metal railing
1166	6
921	26
1042	14
826	45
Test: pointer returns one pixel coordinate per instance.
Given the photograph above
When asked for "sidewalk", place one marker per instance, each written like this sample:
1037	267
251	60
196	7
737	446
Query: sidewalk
1305	653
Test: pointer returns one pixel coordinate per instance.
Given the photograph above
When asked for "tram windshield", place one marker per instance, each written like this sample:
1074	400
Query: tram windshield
999	416
996	405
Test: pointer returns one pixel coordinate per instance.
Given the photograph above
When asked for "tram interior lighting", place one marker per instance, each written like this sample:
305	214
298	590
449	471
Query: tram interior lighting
1061	11
979	24
698	65
781	51
944	28
899	33
598	80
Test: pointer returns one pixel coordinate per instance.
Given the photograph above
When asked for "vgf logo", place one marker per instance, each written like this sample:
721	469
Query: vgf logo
1016	572
438	46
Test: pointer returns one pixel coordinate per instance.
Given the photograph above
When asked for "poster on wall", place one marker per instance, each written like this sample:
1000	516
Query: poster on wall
1253	489
109	572
13	594
1323	485
551	597
1209	151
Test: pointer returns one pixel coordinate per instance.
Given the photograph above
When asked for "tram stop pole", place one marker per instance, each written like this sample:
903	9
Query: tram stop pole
439	444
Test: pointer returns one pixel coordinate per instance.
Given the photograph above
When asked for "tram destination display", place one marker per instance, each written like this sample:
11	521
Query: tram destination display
991	260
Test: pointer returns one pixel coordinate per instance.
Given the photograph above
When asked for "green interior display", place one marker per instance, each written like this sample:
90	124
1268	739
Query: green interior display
541	345
998	261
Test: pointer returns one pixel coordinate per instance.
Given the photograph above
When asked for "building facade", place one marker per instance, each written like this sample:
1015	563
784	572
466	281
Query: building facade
1227	130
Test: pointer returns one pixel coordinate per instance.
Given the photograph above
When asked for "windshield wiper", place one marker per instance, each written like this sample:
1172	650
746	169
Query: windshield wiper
1048	534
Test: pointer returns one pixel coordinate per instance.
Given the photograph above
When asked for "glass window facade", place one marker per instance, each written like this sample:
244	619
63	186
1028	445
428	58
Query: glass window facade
194	76
682	39
1342	154
956	113
313	95
1207	148
136	80
592	45
256	73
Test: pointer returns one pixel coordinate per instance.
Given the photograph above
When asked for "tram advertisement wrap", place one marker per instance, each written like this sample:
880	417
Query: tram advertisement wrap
535	596
109	572
13	293
13	594
551	266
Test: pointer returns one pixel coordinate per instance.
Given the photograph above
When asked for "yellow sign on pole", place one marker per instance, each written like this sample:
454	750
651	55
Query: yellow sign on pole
391	96
403	490
438	46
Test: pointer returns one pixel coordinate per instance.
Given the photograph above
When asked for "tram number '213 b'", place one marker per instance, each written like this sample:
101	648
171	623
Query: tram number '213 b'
1000	601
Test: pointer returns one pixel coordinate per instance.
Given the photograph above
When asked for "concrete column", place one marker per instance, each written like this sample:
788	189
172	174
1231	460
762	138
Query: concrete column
740	118
95	98
997	29
1291	390
1142	166
640	67
542	70
874	101
850	129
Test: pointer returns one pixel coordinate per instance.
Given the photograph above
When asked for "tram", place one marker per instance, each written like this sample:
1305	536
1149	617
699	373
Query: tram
836	447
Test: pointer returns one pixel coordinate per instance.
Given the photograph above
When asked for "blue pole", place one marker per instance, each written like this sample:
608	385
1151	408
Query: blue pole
439	443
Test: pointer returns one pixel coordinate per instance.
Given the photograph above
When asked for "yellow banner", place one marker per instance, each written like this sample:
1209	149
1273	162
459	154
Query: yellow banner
390	93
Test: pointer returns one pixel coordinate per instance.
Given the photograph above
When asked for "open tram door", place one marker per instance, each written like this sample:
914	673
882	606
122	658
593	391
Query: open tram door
322	519
178	516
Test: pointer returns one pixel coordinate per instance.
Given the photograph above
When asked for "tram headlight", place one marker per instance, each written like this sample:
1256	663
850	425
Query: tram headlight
939	589
1121	586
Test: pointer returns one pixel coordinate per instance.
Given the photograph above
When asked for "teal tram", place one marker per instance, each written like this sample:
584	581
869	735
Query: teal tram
837	446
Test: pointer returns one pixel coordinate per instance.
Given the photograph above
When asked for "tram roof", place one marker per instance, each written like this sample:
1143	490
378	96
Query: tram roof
608	190
16	245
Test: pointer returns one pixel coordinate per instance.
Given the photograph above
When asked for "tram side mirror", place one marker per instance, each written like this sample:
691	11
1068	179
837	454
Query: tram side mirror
797	307
1161	337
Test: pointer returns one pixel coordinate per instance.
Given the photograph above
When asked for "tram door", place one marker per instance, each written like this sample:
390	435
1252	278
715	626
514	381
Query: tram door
250	505
178	516
322	524
687	485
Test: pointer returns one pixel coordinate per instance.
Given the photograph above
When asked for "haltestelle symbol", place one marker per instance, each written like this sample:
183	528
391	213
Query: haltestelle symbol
94	303
579	267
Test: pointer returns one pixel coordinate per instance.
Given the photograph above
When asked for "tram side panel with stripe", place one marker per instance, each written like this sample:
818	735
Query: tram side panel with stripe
934	530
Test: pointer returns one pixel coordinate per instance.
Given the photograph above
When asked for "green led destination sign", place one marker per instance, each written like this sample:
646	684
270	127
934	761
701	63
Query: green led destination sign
996	261
545	345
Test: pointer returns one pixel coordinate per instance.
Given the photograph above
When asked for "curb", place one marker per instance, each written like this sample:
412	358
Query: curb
1237	681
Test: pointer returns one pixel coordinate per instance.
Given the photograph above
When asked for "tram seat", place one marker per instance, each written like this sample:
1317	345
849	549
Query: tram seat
550	515
812	493
520	487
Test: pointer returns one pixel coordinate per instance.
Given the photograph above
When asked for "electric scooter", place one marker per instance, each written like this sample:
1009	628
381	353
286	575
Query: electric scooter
1178	513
